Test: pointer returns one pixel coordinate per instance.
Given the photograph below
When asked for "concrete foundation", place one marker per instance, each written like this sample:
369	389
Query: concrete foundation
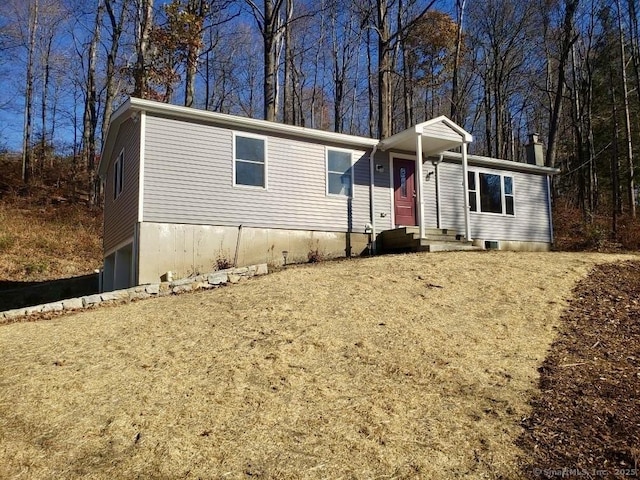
512	245
192	249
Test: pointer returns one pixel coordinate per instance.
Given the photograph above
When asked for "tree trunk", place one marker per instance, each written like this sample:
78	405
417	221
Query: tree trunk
627	120
568	39
197	8
455	101
46	74
145	18
90	118
111	86
384	70
289	116
27	150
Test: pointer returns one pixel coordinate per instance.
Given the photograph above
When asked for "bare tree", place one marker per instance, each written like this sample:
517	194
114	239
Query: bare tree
90	117
117	24
271	26
627	120
455	91
144	24
568	38
28	97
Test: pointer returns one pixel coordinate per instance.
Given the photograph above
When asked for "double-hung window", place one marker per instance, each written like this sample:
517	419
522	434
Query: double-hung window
339	172
249	160
118	175
491	193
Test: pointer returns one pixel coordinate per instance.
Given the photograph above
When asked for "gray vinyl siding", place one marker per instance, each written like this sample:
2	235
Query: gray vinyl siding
121	214
530	222
441	130
430	216
382	192
189	179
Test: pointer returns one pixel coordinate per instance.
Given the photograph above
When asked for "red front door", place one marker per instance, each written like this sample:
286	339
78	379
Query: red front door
404	187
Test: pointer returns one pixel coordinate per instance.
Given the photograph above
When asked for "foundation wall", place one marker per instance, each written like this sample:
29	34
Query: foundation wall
192	249
516	246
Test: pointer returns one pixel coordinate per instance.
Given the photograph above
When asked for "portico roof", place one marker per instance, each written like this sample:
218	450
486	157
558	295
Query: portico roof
437	135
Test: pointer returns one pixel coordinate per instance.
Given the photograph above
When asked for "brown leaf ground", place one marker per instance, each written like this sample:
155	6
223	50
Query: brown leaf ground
586	418
407	366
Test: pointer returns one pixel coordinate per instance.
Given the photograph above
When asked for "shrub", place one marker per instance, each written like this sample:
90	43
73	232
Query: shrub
222	263
315	256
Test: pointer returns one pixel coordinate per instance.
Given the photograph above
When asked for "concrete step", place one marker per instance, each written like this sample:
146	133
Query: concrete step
407	239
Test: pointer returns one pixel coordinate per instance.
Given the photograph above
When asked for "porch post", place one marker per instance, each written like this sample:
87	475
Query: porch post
418	181
465	183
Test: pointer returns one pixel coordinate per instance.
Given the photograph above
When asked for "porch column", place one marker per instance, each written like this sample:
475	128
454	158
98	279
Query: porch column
420	176
465	183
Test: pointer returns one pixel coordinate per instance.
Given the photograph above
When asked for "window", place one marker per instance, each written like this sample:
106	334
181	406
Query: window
118	175
249	161
339	173
473	194
491	193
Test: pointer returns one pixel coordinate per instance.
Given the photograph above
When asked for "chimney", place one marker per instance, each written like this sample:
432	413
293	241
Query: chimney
534	151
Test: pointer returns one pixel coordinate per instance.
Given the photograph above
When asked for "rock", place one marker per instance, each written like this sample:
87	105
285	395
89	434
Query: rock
217	278
32	310
91	300
182	289
241	270
234	278
72	304
51	307
16	313
182	281
262	269
138	295
116	295
153	289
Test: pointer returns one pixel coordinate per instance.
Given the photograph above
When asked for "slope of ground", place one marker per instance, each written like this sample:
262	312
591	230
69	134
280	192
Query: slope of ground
408	366
587	416
47	242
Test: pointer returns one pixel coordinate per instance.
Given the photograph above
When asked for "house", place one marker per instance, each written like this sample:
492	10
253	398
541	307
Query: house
186	190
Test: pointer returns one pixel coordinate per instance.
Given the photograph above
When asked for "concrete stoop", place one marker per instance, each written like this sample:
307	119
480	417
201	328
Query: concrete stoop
407	239
189	284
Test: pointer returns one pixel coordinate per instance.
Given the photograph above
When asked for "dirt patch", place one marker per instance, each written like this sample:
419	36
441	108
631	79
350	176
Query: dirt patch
587	416
404	366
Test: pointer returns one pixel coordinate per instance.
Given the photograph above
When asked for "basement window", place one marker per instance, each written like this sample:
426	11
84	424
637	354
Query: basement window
491	193
118	175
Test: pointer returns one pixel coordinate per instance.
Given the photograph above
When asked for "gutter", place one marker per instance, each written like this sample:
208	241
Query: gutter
372	199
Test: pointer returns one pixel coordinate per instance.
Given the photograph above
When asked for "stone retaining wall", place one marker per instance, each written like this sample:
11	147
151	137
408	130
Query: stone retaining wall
201	282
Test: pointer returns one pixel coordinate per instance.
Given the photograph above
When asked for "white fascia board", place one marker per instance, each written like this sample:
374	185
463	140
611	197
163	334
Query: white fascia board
479	161
265	126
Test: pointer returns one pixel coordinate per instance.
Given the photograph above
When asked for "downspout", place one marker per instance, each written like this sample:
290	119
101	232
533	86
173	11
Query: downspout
438	206
372	199
550	209
465	183
419	185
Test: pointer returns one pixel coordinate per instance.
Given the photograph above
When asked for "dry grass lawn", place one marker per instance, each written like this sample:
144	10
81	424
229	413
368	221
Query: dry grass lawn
407	366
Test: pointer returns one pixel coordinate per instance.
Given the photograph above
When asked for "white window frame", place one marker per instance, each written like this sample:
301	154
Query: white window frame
265	163
503	195
327	172
118	175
